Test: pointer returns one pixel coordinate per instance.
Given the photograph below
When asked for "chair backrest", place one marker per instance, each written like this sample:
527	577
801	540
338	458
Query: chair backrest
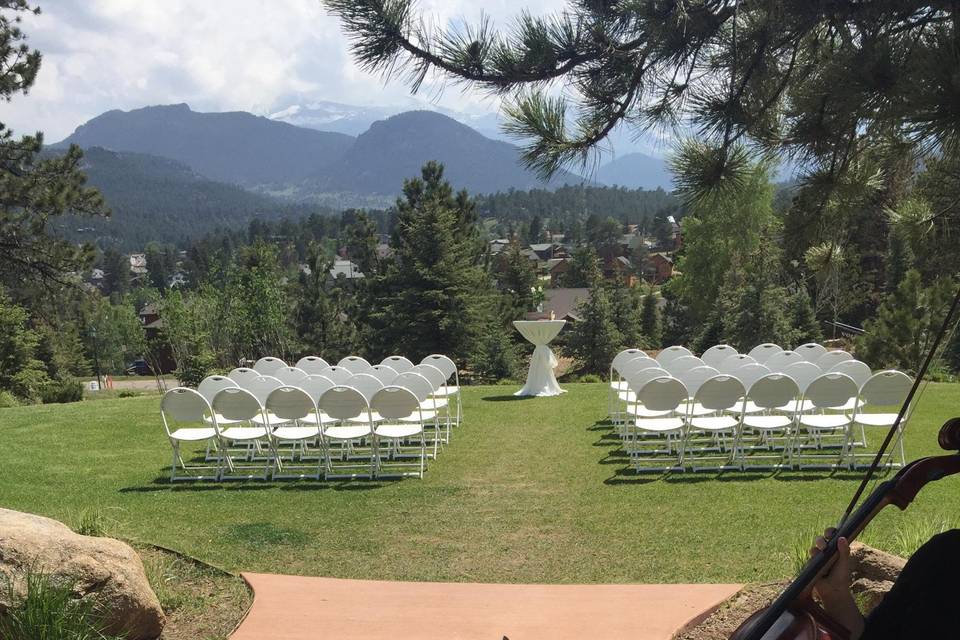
431	373
811	351
693	378
365	383
210	385
662	394
762	352
338	374
237	404
398	363
750	373
184	405
315	386
624	357
290	403
779	361
681	364
831	390
312	364
394	403
832	358
636	364
268	365
342	403
886	388
242	375
803	373
262	386
734	362
773	390
291	376
636	380
719	393
442	362
715	355
672	353
383	373
859	371
415	383
354	364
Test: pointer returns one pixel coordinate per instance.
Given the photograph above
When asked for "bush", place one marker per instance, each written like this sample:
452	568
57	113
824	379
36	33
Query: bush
49	610
7	399
61	391
127	393
193	369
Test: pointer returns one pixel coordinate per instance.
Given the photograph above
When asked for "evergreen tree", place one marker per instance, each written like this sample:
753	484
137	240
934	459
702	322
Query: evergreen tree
432	296
361	241
802	318
535	231
753	304
899	259
626	313
594	340
584	268
650	321
324	325
21	373
116	273
518	278
158	266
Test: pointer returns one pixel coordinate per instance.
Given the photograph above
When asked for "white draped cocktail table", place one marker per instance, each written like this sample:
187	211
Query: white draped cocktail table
540	378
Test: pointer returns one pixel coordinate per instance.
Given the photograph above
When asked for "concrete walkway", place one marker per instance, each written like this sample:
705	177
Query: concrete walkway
300	608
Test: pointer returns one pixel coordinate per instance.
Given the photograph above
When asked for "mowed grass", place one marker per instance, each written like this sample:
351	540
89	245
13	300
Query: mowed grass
532	490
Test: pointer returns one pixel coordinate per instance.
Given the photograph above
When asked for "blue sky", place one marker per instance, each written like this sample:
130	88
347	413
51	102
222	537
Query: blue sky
217	55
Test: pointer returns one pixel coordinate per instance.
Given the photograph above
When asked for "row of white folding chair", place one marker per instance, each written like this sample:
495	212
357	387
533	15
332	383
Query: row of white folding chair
619	367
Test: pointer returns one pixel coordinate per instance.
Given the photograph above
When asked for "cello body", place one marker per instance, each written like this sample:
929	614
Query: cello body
801	621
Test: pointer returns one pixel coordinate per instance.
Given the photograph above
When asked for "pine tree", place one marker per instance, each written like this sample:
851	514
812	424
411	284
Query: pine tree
594	340
21	373
899	258
584	268
753	308
802	318
518	278
535	231
116	273
324	325
626	313
651	325
361	241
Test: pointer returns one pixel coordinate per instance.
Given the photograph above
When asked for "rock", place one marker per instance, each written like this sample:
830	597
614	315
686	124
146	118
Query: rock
869	593
108	571
873	564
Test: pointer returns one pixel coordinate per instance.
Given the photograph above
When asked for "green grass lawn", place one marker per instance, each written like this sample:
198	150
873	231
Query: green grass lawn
528	491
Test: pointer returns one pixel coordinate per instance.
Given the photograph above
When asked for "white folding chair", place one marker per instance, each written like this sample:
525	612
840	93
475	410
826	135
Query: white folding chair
803	373
828	394
625	396
367	385
242	375
449	391
386	375
398	363
672	353
260	388
295	407
747	374
354	460
779	361
313	365
617	380
241	406
437	402
714	436
208	388
811	351
338	374
762	352
635	409
734	362
267	366
832	358
291	376
715	355
429	415
859	371
354	364
316	386
880	399
183	405
662	395
679	365
776	395
692	379
402	422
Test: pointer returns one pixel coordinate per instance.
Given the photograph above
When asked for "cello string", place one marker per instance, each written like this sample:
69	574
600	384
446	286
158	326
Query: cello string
920	379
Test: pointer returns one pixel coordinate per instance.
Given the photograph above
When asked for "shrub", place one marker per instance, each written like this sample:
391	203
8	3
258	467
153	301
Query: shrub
92	523
193	369
61	391
49	611
127	393
7	399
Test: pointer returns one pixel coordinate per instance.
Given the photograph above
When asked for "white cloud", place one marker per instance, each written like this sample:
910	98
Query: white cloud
216	55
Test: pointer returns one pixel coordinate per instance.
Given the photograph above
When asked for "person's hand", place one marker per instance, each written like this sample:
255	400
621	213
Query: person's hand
833	585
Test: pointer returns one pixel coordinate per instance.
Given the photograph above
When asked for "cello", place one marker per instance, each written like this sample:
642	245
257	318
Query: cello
794	614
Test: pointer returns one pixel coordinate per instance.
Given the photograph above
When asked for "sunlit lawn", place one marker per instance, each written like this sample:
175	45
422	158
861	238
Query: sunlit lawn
528	491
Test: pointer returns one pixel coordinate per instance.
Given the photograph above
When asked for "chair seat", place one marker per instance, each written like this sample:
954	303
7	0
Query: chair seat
312	419
272	420
447	390
749	407
190	434
714	423
693	408
767	422
876	419
433	403
825	420
414	418
641	411
396	430
221	420
296	433
627	396
659	425
618	385
798	406
365	418
347	433
244	433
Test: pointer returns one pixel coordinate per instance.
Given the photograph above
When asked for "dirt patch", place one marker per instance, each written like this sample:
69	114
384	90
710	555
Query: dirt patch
725	620
200	601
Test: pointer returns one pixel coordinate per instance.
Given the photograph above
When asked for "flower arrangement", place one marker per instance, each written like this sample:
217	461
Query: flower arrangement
537	297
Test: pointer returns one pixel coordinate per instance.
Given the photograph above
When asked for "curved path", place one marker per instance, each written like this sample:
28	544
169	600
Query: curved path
301	608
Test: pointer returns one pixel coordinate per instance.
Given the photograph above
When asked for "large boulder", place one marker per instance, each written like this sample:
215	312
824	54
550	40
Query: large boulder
106	570
873	573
